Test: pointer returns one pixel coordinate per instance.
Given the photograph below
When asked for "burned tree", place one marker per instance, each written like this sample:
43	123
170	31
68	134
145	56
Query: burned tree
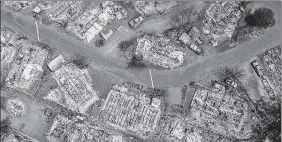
226	72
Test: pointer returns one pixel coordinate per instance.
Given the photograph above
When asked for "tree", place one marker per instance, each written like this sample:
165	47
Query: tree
100	42
80	61
262	17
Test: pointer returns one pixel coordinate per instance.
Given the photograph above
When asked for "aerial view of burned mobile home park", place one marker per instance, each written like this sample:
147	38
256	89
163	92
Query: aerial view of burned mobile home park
141	71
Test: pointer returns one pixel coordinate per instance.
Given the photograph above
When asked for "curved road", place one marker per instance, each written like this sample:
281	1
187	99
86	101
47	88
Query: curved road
170	78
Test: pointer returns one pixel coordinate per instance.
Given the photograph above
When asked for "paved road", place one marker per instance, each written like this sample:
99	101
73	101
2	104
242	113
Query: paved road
161	78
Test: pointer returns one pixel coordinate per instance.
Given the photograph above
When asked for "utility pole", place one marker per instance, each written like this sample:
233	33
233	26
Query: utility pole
151	79
37	30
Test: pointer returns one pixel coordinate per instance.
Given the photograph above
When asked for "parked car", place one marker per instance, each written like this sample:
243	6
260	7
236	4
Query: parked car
196	49
257	68
135	22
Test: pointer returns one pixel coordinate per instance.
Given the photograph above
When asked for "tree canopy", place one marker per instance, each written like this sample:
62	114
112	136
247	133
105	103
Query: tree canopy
262	17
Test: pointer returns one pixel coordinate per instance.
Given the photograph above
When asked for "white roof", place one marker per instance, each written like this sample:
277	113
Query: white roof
36	9
56	63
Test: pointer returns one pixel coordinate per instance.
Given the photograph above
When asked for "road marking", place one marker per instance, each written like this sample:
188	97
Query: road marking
151	79
37	31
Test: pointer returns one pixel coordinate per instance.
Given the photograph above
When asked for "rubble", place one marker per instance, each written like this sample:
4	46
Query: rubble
92	21
272	64
220	112
61	10
74	89
26	70
15	107
159	50
270	77
191	39
19	5
221	20
153	7
128	108
8	36
16	136
185	39
71	130
173	128
106	34
8	54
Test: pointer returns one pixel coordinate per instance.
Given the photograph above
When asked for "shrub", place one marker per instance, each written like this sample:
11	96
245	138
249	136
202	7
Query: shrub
80	61
124	45
100	42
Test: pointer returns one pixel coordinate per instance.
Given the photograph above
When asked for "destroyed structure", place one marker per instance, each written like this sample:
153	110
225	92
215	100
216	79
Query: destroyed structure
176	129
272	63
8	51
15	107
27	68
159	51
129	109
8	54
19	5
268	70
74	89
153	7
221	19
16	136
215	109
192	40
173	129
92	21
85	21
74	130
